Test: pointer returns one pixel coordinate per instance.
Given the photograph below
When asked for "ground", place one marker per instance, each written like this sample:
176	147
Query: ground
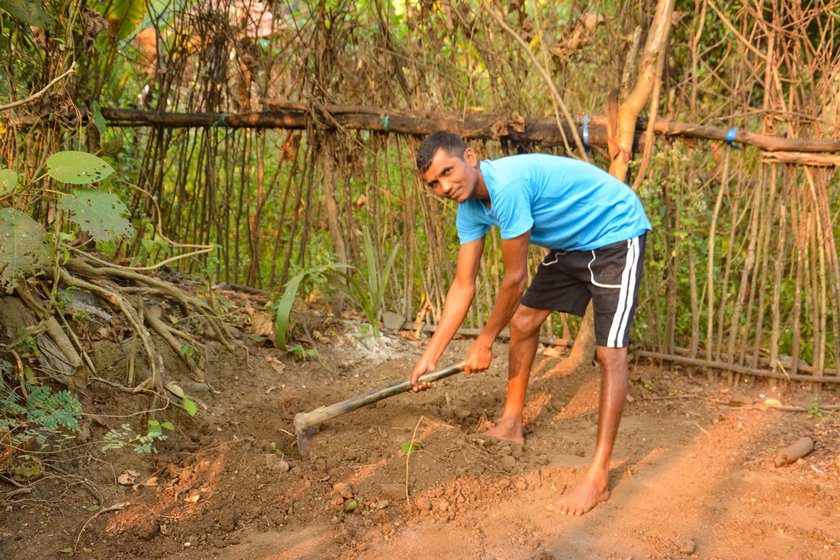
693	472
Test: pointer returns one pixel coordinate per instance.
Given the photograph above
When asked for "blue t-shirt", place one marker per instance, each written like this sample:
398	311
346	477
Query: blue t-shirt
566	203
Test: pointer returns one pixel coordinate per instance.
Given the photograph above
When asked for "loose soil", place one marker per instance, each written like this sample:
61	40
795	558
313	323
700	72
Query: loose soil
692	473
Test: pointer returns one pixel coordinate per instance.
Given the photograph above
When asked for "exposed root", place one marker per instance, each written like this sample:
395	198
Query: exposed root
164	289
156	366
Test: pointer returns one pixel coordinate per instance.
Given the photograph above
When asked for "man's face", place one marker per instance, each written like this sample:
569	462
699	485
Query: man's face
451	176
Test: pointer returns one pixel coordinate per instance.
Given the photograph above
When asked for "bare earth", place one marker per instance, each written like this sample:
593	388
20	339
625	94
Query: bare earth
692	475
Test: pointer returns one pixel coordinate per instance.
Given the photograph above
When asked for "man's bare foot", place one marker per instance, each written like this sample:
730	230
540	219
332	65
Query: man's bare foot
580	499
508	429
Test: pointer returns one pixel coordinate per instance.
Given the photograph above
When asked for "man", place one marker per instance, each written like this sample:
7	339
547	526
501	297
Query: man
594	227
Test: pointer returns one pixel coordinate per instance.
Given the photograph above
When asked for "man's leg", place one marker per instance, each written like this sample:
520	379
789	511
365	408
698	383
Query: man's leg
524	339
593	488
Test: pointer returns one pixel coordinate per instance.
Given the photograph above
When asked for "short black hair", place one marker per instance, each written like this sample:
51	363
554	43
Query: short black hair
444	140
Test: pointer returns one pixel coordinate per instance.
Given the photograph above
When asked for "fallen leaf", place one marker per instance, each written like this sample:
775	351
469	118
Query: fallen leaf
262	324
127	478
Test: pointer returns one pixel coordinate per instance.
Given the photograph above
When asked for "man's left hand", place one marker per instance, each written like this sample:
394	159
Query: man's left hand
478	358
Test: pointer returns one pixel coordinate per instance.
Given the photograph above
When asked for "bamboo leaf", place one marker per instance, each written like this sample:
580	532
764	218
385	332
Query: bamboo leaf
127	14
24	248
77	168
97	212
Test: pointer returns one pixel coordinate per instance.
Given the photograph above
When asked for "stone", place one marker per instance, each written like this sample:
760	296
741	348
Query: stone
392	321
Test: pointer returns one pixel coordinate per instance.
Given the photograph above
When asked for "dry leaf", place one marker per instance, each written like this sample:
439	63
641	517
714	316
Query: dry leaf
262	324
127	478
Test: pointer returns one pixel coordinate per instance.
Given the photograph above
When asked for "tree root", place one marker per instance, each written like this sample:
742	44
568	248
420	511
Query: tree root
155	360
188	303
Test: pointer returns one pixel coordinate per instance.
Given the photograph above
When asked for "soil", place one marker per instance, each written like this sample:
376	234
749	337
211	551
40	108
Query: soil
693	471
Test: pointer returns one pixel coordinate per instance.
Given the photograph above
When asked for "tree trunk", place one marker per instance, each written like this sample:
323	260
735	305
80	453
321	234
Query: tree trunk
621	148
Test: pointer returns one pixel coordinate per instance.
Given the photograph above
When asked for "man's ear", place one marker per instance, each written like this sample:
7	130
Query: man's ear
470	157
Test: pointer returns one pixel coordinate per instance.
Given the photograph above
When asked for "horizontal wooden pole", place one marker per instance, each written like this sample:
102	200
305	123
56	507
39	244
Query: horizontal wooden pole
475	127
723	366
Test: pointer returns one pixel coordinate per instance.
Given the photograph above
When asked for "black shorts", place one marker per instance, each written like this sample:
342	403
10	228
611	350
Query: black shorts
609	276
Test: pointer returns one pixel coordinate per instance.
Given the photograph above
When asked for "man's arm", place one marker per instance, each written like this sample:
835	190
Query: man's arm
515	258
458	301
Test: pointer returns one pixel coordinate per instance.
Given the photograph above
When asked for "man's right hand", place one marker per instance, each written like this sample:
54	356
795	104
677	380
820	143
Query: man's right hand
422	366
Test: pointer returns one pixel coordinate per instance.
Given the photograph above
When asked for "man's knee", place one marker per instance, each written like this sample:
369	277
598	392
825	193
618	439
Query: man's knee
526	322
612	358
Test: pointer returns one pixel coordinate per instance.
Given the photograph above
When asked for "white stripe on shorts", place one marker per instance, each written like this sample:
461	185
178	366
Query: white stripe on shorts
625	298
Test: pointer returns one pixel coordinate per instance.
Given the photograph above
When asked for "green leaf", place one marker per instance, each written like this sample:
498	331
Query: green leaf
410	447
127	14
93	508
98	119
283	314
77	168
27	11
97	212
8	181
24	248
190	406
351	506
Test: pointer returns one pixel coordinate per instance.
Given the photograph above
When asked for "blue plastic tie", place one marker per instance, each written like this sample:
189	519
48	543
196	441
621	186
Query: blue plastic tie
730	138
586	134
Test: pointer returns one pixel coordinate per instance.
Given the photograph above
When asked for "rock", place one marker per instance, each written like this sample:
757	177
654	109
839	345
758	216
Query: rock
689	547
276	464
392	321
508	462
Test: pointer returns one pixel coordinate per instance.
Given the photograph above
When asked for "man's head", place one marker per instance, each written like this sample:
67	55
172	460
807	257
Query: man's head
448	166
444	140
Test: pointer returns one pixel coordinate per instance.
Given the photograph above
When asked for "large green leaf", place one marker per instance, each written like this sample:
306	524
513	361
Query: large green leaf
283	310
8	181
127	14
99	213
27	11
24	248
77	168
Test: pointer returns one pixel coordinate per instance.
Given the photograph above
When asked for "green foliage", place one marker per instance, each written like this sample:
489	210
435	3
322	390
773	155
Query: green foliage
368	292
409	447
8	181
302	353
27	11
124	436
283	308
43	416
189	405
99	213
127	15
277	451
78	168
24	248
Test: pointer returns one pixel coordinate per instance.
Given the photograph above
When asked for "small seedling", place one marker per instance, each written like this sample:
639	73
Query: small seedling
411	446
814	411
303	353
276	450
